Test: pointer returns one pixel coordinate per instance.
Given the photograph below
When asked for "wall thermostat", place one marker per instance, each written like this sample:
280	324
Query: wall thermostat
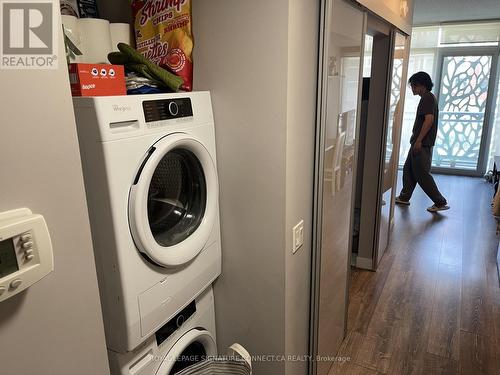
25	251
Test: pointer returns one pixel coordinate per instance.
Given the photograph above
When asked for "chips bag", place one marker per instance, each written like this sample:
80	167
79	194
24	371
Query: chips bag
163	35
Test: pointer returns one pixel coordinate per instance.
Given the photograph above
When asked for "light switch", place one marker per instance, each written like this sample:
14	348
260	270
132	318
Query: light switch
298	236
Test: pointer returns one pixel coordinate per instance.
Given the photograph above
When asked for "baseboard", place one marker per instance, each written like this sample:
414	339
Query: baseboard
364	263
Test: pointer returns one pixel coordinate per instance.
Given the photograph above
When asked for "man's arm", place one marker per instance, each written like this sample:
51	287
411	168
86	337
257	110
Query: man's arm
426	126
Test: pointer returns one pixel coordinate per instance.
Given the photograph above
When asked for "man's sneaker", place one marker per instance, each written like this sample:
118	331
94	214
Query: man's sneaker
436	208
398	200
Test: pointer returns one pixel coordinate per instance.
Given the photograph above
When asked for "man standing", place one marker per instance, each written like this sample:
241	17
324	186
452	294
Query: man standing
418	162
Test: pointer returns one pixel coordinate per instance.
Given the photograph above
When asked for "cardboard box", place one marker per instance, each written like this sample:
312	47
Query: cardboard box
97	79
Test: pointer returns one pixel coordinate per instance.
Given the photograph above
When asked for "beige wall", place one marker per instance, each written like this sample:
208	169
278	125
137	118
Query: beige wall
303	29
259	61
391	11
54	327
241	57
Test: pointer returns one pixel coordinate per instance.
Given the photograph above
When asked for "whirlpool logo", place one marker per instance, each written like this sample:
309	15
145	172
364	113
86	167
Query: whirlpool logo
28	34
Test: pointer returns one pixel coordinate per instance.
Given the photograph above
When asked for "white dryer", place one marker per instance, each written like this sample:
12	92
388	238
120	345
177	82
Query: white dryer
150	175
189	337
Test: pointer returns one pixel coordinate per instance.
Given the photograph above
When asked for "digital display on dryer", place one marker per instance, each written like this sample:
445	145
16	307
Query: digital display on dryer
167	109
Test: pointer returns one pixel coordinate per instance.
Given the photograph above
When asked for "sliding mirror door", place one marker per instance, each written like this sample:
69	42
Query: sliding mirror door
339	87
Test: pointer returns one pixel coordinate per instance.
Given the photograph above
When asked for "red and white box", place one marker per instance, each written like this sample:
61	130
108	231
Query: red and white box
97	80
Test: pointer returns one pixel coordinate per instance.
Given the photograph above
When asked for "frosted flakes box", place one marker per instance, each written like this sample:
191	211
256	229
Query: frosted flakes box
163	34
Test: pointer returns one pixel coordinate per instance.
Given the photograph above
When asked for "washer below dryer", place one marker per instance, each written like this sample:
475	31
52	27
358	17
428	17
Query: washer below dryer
186	339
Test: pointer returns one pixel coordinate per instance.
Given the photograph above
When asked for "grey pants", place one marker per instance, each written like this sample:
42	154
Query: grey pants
417	171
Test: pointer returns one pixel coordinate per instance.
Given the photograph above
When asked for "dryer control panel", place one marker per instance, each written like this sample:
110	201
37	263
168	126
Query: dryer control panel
25	251
167	109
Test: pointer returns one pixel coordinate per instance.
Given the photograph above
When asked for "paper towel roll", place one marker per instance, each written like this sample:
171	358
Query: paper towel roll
95	40
70	24
120	33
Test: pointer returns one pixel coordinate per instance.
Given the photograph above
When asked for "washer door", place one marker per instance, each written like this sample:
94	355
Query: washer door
173	202
195	346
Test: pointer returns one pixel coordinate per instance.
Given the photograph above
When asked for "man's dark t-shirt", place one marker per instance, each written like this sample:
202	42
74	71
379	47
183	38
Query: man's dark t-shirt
427	106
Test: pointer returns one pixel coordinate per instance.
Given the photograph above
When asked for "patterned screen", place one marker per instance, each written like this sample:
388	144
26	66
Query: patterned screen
462	105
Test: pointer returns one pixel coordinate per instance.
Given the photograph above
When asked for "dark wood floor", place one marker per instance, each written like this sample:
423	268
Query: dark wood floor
433	307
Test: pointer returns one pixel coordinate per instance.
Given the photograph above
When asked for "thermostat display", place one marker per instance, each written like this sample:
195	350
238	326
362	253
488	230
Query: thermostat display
8	260
25	251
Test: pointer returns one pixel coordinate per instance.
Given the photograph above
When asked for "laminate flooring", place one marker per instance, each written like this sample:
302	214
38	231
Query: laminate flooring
433	306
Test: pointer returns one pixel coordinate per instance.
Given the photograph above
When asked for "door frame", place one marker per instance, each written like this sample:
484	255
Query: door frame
396	143
325	19
402	98
370	228
489	109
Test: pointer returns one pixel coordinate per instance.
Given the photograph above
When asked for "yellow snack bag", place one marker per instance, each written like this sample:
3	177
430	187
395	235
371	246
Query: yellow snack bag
163	34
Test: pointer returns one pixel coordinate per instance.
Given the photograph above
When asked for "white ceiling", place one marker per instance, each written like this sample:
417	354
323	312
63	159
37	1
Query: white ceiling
437	11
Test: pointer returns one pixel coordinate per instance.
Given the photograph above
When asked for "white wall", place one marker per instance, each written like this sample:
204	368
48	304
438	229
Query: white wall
54	327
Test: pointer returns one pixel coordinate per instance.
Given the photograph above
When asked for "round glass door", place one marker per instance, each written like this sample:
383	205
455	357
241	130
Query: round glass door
195	346
193	354
173	202
177	197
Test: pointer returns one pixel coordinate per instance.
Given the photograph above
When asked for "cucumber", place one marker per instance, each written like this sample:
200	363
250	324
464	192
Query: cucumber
170	80
143	70
117	58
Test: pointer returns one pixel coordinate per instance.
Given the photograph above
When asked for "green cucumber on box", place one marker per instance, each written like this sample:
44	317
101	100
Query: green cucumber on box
133	60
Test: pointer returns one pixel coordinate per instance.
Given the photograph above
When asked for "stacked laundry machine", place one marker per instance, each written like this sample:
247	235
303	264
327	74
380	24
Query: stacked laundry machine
151	181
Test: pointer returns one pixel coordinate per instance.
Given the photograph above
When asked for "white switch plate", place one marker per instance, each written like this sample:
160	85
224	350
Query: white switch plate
298	236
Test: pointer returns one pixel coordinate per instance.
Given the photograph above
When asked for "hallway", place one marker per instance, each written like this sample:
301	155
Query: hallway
433	307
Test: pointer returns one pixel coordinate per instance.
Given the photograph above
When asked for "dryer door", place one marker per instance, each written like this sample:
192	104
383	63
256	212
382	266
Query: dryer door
195	346
173	202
